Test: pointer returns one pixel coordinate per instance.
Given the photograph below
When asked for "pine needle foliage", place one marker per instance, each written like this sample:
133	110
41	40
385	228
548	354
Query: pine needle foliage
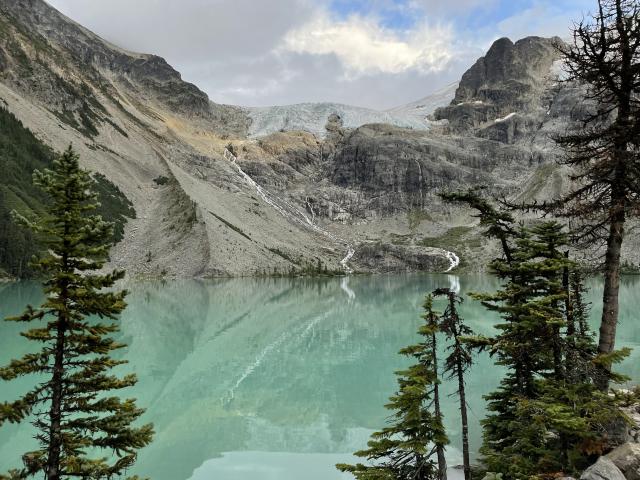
409	447
548	417
545	418
73	408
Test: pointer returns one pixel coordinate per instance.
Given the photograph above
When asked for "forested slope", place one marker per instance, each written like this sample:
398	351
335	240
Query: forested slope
20	154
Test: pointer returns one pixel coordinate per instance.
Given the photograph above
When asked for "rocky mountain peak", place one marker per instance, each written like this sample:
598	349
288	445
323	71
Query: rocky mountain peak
524	64
508	79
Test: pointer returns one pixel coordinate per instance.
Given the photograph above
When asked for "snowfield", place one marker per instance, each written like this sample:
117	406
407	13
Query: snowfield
312	117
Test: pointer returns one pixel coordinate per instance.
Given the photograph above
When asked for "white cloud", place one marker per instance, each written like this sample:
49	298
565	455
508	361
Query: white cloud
266	52
363	46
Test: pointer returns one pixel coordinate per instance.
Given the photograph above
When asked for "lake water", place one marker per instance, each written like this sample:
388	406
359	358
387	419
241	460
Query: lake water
276	379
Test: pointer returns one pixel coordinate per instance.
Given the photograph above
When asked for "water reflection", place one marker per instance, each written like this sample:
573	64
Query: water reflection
282	373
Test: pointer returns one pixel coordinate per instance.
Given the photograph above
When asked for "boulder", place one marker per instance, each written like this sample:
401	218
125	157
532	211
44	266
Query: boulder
603	469
619	432
627	459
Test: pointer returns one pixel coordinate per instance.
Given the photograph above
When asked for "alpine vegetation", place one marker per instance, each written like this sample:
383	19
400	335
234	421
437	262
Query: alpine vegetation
83	429
548	416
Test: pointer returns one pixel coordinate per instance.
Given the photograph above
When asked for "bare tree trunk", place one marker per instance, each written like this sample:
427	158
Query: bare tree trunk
54	449
442	462
610	307
466	462
55	413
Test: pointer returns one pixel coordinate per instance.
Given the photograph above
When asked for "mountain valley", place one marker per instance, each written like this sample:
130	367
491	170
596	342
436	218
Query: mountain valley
354	188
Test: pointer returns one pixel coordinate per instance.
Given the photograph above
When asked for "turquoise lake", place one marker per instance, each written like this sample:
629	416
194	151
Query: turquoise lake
277	379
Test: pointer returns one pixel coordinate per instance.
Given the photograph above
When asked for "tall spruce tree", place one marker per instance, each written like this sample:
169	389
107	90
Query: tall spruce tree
405	449
528	344
74	411
457	362
604	152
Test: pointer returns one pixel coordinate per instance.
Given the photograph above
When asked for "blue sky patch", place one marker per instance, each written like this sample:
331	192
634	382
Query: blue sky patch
405	14
393	14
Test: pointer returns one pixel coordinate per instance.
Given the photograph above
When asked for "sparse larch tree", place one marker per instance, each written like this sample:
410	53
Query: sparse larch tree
74	411
604	153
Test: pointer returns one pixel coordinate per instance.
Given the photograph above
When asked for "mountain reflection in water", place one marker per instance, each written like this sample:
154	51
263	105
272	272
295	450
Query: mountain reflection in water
270	378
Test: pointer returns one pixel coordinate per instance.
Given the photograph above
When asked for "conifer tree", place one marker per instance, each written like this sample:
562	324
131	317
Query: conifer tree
547	416
528	344
545	419
406	448
458	362
581	345
498	224
433	321
75	412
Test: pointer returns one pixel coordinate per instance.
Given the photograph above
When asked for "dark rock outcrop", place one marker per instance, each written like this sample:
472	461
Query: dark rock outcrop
401	169
394	258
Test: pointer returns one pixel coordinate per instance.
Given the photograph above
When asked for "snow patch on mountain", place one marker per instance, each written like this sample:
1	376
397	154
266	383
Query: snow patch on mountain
421	109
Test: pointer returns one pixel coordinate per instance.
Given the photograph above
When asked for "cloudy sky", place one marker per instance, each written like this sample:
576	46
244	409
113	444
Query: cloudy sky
372	53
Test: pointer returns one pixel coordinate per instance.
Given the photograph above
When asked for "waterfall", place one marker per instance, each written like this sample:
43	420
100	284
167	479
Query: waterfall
291	213
454	260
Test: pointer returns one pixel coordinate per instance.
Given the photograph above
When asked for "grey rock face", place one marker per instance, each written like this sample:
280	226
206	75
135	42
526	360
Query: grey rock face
603	469
393	258
633	412
402	169
509	78
519	66
627	459
618	432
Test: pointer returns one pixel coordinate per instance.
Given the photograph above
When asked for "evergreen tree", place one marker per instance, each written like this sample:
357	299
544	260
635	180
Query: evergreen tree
498	224
433	320
581	345
73	411
528	344
458	362
547	416
406	448
545	419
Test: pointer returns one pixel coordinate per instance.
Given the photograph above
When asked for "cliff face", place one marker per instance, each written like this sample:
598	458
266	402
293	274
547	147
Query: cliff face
159	139
495	132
